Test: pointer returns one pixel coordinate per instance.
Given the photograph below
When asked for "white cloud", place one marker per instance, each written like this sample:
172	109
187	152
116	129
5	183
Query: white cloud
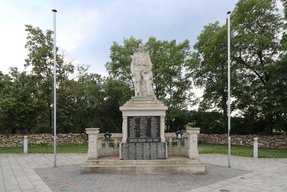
86	29
13	17
12	49
12	38
76	27
280	7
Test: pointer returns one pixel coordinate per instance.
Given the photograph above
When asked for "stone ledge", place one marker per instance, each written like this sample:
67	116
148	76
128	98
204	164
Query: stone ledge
173	165
142	105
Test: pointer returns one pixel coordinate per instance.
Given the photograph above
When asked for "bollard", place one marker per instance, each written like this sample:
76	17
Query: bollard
25	144
255	147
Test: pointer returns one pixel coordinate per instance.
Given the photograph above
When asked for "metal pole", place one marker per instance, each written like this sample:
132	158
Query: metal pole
55	141
229	101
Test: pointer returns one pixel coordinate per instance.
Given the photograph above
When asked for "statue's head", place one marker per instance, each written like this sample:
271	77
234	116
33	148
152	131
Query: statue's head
141	47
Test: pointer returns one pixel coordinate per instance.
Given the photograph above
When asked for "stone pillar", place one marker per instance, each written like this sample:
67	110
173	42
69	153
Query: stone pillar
255	147
192	150
162	128
25	144
93	134
125	129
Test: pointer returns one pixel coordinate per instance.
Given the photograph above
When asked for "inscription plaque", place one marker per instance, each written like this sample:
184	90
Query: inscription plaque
143	139
143	129
140	151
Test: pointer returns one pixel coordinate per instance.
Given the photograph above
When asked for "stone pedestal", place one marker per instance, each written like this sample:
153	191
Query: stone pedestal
174	165
93	134
192	142
143	129
152	161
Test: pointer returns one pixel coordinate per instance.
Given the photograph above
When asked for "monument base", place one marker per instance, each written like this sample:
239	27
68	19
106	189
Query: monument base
143	151
173	165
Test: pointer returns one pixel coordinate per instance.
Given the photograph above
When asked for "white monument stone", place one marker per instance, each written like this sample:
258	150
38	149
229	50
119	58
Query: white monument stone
192	142
93	134
141	68
143	115
143	149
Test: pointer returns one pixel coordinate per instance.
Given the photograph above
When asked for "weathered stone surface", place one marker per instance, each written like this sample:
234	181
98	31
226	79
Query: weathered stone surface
173	165
139	150
9	140
147	151
131	151
161	152
14	140
143	151
141	68
276	141
144	127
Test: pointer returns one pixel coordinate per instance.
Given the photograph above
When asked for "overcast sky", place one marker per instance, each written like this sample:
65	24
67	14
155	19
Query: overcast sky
87	28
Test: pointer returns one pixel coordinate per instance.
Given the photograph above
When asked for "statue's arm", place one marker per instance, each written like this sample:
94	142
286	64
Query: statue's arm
149	65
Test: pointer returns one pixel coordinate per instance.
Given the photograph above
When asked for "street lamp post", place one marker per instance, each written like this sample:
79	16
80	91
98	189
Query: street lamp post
229	100
55	141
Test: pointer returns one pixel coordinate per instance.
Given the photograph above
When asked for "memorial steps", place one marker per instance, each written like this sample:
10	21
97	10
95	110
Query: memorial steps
172	165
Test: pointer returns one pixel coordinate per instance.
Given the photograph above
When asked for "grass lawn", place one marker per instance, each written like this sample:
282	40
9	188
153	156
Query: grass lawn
45	148
203	148
242	151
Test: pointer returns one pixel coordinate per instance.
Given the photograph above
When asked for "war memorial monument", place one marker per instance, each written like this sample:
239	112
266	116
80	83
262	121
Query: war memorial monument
143	115
143	149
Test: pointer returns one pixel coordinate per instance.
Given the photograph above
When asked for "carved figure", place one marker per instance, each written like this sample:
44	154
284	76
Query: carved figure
141	68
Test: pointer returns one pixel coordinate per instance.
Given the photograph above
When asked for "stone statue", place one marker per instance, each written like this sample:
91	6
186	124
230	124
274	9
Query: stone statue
141	68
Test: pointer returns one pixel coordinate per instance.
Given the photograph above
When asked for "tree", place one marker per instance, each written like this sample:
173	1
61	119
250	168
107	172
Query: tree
255	78
209	70
285	7
279	81
256	39
87	97
116	93
171	78
40	59
18	112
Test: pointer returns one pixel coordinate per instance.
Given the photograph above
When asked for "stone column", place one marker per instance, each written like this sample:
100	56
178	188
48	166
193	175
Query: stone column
25	144
255	147
192	150
162	128
125	129
93	134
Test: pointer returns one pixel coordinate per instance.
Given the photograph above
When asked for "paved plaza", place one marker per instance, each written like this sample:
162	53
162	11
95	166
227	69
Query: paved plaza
34	172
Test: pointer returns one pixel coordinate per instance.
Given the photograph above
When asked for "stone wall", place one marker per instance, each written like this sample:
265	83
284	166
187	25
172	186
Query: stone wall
276	141
35	139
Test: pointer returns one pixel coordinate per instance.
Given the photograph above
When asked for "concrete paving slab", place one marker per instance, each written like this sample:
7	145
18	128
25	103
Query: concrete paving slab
70	178
35	172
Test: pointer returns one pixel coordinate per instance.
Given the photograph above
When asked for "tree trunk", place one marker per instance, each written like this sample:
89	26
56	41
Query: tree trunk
268	128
